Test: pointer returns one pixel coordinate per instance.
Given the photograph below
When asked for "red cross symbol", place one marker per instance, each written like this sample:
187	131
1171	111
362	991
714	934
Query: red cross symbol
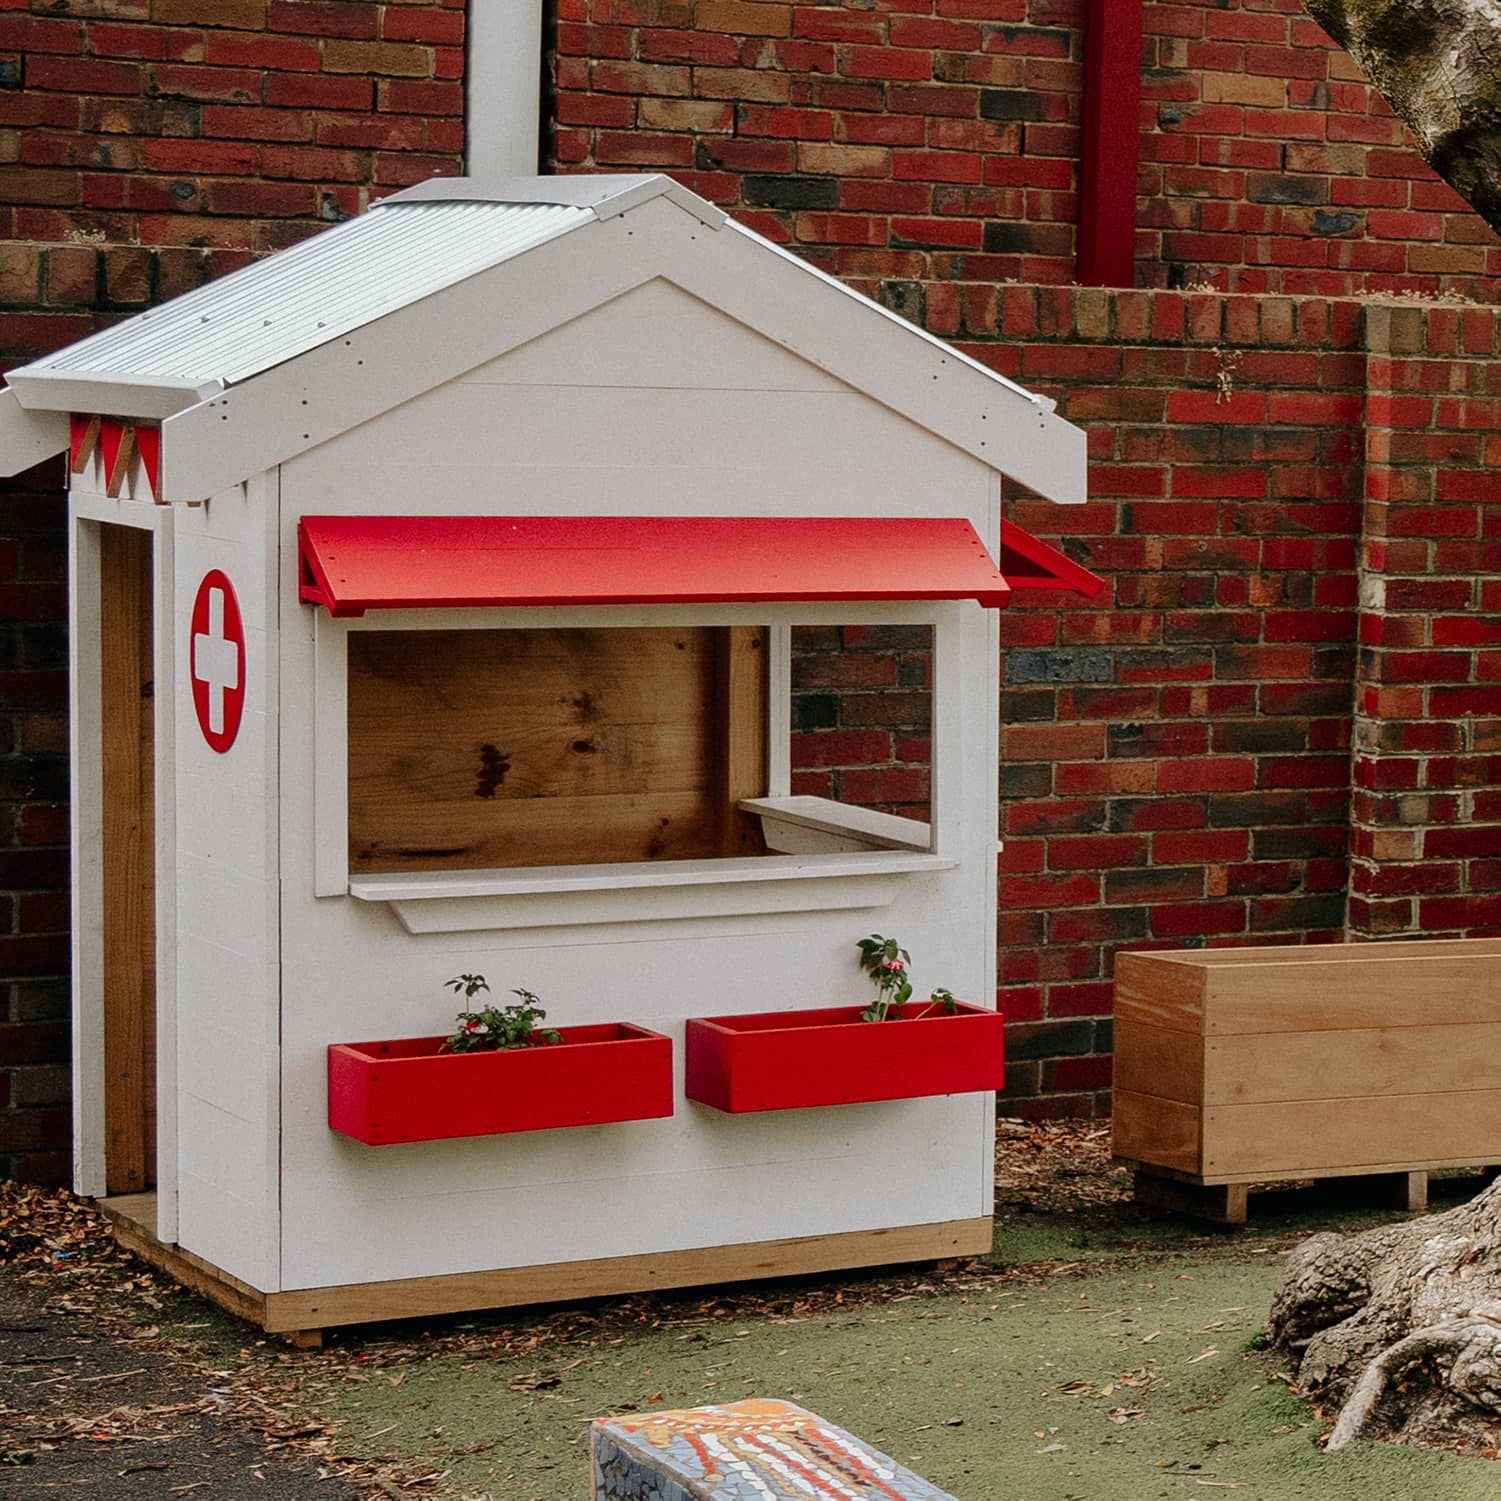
217	660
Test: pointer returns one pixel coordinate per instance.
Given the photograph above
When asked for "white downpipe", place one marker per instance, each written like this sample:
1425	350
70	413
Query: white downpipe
503	88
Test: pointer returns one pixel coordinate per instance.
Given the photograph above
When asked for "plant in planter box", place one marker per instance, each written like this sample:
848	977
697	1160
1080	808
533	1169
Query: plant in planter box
497	1072
492	1028
797	1058
885	961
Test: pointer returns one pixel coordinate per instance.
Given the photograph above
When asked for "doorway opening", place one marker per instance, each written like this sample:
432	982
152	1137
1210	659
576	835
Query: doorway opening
129	915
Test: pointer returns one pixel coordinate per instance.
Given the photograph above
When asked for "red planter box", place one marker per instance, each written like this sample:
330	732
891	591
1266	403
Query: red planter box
406	1090
785	1060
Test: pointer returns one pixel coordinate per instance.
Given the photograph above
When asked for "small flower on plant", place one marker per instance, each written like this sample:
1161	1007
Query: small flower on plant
885	961
493	1028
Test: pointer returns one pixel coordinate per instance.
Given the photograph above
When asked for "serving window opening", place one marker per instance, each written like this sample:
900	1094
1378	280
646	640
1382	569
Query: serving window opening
497	749
506	749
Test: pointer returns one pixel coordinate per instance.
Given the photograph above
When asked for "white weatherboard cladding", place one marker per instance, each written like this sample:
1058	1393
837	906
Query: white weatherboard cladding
356	1213
657	336
603	416
626	431
226	907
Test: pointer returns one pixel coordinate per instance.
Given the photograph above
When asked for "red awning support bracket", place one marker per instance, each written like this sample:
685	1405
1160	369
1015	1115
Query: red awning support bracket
1030	563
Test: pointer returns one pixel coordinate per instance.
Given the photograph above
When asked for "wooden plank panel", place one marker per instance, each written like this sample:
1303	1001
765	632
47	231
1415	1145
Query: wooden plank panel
1353	1062
1413	1130
1379	989
129	918
424	1297
1249	990
1160	1132
1156	989
1158	1061
1327	953
742	731
489	749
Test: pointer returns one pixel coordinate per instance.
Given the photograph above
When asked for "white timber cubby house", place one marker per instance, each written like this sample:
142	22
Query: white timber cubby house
432	589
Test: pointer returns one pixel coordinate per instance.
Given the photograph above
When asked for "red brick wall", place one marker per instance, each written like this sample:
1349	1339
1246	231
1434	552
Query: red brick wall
34	1115
146	146
914	146
1296	502
862	716
1426	820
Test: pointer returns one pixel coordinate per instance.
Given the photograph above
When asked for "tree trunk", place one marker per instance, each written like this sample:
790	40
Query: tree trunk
1402	1326
1438	64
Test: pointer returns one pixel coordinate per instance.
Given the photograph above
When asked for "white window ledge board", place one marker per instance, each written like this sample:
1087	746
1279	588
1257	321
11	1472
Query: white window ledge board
468	901
804	825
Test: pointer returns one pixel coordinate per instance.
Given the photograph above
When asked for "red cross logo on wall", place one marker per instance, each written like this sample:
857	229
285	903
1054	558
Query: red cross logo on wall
217	660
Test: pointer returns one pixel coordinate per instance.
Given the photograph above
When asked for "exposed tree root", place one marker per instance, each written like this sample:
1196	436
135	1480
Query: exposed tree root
1402	1326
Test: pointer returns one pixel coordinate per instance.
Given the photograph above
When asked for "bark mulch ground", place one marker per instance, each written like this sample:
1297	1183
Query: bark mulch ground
113	1382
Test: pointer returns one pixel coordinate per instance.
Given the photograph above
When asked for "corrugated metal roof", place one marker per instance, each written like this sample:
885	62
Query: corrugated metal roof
314	292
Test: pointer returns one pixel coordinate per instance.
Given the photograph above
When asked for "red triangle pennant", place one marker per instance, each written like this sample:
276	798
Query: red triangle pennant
83	435
149	443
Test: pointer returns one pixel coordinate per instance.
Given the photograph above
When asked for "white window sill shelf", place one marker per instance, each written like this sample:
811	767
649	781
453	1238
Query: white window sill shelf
817	825
469	901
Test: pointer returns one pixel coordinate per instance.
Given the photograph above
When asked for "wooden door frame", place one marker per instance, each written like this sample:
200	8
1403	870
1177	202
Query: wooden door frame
90	510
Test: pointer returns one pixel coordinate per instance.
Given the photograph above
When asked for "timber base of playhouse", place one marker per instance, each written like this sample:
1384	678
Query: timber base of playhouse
303	1315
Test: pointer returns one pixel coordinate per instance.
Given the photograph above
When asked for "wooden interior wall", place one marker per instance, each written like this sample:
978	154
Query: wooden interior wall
125	624
491	749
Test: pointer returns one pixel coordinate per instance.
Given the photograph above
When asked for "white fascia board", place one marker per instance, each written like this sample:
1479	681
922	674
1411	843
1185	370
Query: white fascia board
27	438
106	395
285	411
927	381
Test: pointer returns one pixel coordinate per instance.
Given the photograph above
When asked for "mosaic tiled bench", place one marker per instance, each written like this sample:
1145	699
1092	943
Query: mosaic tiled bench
756	1450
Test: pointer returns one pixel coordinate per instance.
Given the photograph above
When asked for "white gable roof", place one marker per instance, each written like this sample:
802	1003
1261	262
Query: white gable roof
315	292
219	365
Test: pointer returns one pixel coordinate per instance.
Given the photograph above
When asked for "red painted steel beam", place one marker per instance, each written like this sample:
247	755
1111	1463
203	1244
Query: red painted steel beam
1112	138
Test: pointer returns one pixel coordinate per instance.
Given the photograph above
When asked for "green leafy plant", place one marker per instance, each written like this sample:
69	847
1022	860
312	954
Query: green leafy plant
493	1028
886	961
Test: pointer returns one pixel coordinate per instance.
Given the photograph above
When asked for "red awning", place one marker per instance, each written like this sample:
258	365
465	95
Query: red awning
351	564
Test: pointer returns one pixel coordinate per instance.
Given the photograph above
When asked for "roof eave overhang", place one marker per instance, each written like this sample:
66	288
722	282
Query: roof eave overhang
28	437
43	390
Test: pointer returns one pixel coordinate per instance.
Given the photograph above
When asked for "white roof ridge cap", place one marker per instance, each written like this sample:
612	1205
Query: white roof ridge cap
605	194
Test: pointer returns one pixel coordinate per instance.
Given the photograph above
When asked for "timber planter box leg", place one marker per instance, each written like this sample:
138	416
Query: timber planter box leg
787	1060
406	1090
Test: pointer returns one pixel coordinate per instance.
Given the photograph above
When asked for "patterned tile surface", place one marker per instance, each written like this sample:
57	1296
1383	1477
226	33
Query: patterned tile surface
757	1450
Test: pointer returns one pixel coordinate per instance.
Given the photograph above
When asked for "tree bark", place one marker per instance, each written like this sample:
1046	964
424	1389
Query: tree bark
1438	64
1402	1326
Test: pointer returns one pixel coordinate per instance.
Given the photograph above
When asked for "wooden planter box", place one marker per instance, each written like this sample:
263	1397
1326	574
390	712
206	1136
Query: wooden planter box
405	1090
1235	1066
787	1060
